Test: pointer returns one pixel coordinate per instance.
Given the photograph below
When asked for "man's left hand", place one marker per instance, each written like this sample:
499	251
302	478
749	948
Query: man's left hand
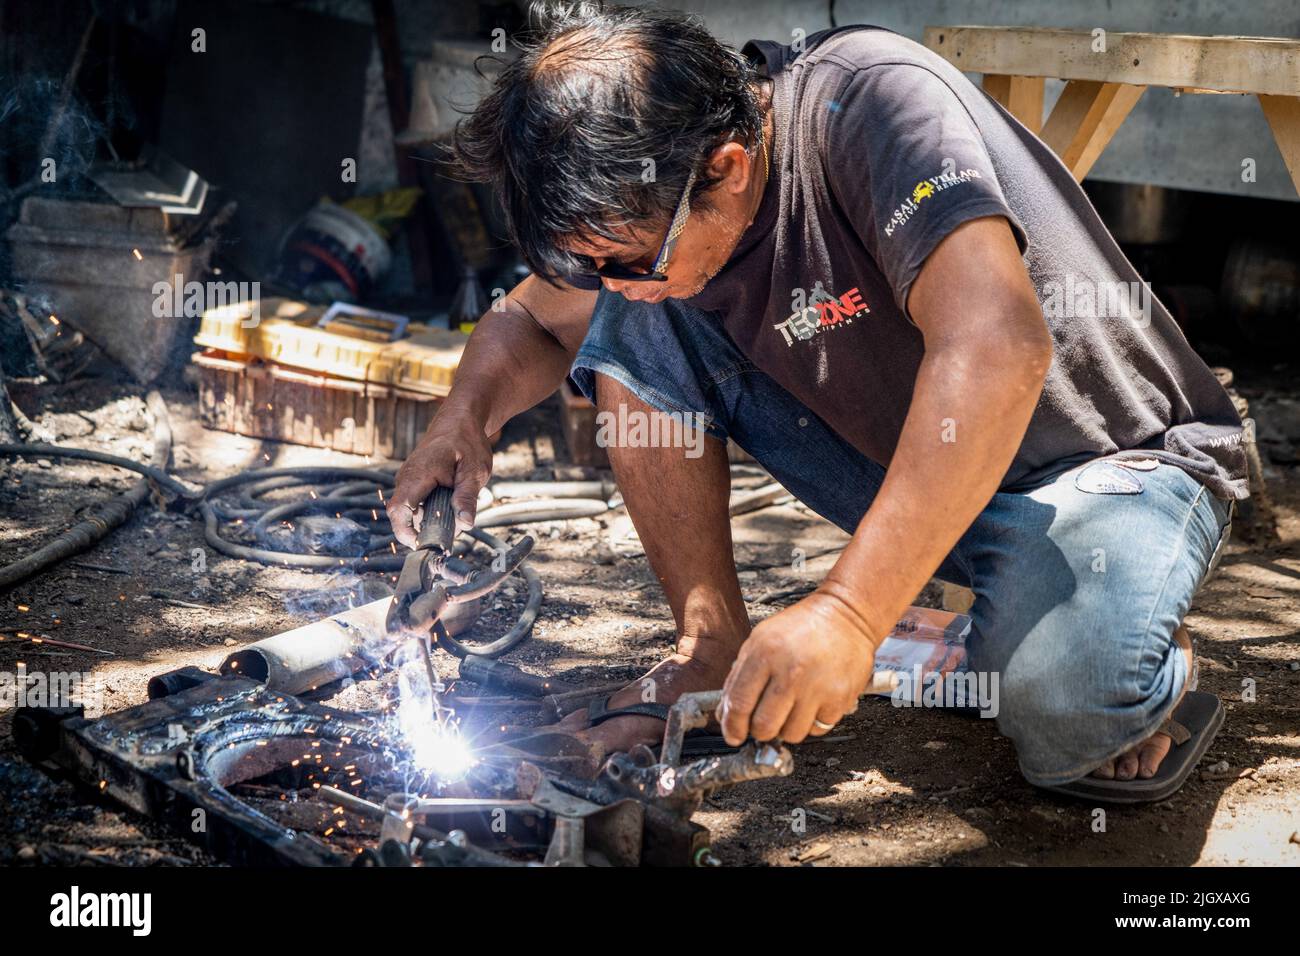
799	672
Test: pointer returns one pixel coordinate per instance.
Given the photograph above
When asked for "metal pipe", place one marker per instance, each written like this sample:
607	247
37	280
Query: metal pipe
501	676
373	811
173	682
544	509
758	498
690	711
473	855
551	489
324	651
754	761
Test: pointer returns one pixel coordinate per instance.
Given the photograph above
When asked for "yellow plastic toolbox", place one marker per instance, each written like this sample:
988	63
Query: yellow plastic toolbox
351	344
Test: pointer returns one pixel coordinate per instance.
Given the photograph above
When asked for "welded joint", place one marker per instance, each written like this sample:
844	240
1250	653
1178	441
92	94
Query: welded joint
691	711
398	822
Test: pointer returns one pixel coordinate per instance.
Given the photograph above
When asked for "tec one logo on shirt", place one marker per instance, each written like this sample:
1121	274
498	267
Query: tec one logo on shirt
824	312
924	190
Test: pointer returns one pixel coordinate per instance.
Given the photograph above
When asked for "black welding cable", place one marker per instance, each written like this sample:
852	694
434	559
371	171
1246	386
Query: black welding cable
341	494
388	562
346	482
250	498
523	626
301	472
266	513
291	509
262	480
103	517
156	475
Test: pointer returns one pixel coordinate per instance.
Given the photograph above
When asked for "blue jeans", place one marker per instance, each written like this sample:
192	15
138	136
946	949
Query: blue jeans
1078	589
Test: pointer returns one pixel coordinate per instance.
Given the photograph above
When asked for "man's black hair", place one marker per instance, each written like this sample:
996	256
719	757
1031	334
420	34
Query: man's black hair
599	122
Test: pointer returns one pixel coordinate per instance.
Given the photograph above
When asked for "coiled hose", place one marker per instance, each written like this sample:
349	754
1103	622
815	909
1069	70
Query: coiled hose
353	492
357	493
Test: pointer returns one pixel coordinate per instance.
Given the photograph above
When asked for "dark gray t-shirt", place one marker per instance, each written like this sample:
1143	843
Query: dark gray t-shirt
881	149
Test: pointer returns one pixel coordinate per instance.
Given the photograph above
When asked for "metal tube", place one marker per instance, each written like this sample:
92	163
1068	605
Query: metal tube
759	498
545	509
551	489
690	711
173	682
501	676
751	762
328	650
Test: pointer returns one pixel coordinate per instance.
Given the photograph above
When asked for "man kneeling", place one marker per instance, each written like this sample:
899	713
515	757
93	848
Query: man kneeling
857	266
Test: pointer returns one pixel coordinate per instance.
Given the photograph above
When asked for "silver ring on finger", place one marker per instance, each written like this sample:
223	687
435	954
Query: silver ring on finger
822	726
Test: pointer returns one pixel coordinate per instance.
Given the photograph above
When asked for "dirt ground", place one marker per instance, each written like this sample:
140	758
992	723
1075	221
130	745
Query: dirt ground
894	786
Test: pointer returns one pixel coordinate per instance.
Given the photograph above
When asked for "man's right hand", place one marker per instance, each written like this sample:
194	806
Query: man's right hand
455	453
509	345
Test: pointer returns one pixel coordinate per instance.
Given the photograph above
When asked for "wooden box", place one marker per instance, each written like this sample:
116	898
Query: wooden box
265	400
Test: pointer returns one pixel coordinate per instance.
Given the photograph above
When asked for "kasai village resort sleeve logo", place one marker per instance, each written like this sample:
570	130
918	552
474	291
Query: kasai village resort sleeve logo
926	189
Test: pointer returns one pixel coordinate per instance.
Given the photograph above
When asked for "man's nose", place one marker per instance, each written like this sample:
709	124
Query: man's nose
621	286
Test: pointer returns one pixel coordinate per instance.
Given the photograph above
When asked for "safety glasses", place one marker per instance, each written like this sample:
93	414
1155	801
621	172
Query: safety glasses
658	269
657	273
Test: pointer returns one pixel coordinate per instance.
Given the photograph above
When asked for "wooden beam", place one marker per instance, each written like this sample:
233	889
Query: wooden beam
1269	65
1084	120
1283	114
1021	96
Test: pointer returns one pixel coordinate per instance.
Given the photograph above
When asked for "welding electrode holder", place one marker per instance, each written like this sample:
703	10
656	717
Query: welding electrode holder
432	545
426	585
438	527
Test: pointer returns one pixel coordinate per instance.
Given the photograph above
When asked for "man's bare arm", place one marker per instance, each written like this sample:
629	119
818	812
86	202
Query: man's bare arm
987	352
517	356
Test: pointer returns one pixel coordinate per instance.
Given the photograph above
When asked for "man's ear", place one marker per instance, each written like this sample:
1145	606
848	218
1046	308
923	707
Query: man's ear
732	166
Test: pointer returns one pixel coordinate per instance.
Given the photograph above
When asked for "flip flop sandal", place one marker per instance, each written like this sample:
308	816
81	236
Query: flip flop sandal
696	743
1192	726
